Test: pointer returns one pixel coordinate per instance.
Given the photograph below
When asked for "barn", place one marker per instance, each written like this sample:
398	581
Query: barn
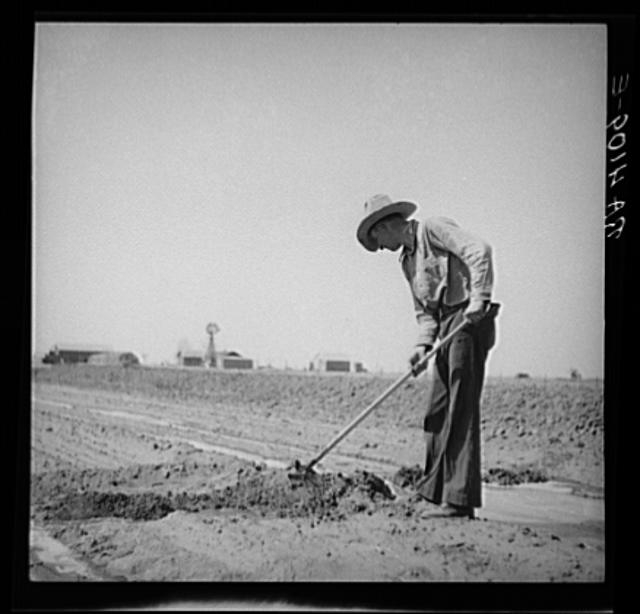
339	363
233	360
72	354
124	359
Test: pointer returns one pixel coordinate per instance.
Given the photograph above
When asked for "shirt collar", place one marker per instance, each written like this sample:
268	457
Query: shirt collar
409	251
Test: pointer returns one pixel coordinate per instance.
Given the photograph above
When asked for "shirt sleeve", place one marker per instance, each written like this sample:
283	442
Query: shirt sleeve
471	249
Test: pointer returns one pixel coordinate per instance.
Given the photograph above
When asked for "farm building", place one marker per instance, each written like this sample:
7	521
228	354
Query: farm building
233	360
221	360
72	354
124	359
191	358
335	363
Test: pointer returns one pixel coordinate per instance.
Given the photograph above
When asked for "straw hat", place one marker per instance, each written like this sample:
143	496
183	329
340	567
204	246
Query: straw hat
376	208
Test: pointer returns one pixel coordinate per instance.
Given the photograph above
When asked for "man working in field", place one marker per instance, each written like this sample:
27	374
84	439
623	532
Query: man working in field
450	273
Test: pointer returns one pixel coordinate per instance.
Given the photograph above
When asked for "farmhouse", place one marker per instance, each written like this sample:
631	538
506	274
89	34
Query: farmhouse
191	358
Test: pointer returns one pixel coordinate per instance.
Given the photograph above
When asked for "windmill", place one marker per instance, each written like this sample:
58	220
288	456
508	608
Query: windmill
210	356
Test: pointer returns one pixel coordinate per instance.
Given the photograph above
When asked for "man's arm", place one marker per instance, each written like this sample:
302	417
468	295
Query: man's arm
474	252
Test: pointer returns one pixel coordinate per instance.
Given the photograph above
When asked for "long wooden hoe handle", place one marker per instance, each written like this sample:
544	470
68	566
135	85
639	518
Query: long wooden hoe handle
365	412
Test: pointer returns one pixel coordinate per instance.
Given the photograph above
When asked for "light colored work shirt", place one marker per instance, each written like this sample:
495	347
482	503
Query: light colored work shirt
446	264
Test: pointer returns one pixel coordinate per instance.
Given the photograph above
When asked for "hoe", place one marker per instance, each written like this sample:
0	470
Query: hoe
305	472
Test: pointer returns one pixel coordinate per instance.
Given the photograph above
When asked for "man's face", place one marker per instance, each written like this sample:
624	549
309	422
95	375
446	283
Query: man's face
386	236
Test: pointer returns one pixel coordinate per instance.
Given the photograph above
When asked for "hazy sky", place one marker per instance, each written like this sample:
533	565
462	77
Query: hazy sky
185	174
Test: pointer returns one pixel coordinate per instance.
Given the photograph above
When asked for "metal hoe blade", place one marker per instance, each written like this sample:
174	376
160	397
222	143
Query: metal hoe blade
303	474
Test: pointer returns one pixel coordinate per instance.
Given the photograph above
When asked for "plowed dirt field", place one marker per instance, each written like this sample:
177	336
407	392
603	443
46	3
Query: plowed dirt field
146	474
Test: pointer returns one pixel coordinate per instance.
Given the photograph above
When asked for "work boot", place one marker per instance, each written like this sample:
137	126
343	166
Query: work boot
445	510
451	510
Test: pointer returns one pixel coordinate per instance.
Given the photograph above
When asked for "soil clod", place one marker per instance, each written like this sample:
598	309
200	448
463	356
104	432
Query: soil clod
268	492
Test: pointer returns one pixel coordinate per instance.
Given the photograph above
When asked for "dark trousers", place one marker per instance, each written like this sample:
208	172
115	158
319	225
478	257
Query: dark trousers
452	424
